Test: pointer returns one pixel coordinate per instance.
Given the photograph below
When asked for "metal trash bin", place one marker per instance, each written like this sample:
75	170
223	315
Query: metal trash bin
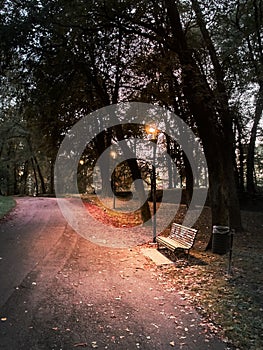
221	240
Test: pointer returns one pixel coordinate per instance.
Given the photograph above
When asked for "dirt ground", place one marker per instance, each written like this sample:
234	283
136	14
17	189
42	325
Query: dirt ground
227	292
61	291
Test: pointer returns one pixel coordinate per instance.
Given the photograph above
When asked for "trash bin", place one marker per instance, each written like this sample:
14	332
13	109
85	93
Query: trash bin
221	239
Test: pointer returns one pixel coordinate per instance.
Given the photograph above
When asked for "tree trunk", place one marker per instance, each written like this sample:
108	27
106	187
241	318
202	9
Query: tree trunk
136	174
251	148
169	163
189	186
241	159
52	185
216	136
102	142
35	176
42	182
105	179
24	177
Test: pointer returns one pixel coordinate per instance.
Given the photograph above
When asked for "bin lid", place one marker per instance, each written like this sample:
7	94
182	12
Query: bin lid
220	229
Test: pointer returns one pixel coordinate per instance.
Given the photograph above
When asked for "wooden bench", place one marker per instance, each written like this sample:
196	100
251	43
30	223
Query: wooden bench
181	237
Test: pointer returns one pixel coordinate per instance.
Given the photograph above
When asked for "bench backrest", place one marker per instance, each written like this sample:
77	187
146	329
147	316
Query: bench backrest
184	235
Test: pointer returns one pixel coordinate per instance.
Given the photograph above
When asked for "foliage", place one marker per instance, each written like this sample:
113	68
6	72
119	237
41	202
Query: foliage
62	60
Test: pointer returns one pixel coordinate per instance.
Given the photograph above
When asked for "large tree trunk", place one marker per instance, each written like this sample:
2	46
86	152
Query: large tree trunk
217	136
226	122
106	190
102	142
136	175
189	186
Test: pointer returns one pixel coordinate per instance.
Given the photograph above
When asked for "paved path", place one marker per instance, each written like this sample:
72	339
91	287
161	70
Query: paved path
60	291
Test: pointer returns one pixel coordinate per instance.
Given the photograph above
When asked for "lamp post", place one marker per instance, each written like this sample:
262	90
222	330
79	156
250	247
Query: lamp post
151	130
82	177
113	155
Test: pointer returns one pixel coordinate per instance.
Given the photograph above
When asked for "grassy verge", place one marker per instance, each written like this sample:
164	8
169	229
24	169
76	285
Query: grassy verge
232	303
6	204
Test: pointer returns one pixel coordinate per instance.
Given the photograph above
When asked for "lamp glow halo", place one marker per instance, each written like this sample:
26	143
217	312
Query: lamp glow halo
90	126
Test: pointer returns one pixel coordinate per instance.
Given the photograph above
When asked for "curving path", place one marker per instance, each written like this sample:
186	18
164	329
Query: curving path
60	291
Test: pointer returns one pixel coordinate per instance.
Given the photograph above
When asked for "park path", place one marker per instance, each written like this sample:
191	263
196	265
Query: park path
61	291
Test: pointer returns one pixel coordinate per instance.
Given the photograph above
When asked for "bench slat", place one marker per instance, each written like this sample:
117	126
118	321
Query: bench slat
172	242
183	234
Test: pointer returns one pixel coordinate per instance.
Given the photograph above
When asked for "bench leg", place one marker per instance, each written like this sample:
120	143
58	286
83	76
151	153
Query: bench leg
185	251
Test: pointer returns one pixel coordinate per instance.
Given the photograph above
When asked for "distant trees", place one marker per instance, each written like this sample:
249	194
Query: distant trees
19	168
237	31
245	22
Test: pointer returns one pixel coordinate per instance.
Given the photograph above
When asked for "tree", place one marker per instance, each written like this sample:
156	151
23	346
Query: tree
79	57
73	62
205	96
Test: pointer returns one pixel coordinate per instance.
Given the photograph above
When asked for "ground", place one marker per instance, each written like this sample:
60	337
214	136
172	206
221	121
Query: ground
233	302
60	291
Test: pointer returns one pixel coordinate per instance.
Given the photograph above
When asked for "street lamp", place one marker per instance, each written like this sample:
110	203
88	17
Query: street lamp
113	155
152	130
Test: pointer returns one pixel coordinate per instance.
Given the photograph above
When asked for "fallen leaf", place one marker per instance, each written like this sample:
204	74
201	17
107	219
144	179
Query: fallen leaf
80	344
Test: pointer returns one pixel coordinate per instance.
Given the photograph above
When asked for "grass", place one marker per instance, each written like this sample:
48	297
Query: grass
232	304
6	204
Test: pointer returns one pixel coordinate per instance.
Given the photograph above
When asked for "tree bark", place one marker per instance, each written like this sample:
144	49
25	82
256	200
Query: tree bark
24	177
216	135
35	176
102	142
52	185
189	187
42	181
136	175
241	158
251	188
226	121
169	163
